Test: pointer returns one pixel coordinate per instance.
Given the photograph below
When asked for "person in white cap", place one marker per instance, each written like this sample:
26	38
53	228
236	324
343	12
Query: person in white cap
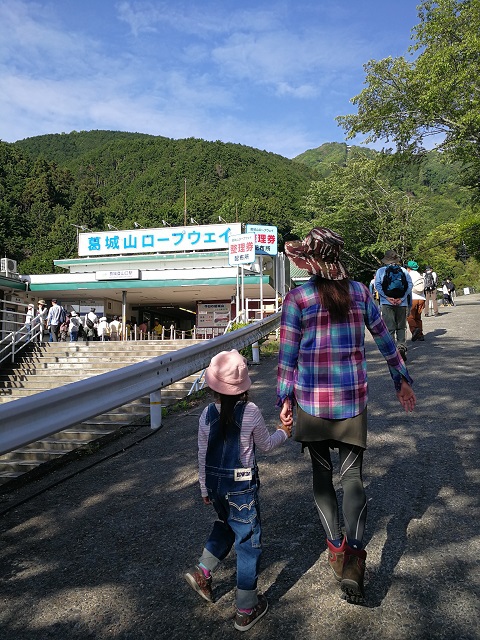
29	317
74	326
229	430
41	318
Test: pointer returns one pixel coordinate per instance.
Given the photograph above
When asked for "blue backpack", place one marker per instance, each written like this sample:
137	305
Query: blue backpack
394	283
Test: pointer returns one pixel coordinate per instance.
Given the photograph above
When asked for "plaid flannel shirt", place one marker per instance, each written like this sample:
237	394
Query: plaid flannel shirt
322	364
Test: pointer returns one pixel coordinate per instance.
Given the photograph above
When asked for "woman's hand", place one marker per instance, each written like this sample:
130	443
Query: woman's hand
406	396
286	413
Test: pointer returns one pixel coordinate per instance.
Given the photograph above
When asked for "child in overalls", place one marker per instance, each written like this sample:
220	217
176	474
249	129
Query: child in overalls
229	431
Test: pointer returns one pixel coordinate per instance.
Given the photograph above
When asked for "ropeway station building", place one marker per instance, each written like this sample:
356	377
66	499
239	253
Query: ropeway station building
191	278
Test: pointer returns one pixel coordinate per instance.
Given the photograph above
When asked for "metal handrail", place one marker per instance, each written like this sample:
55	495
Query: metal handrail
35	417
15	341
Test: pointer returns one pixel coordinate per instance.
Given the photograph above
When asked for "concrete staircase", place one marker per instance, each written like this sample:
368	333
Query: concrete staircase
48	365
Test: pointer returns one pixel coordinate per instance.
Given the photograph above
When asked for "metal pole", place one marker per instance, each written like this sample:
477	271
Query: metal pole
237	298
185	204
261	286
124	315
243	293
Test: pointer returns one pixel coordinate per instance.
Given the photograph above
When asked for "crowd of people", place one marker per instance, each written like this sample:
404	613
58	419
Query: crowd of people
68	326
418	296
61	325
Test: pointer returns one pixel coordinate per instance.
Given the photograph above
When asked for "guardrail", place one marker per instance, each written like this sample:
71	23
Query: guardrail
35	417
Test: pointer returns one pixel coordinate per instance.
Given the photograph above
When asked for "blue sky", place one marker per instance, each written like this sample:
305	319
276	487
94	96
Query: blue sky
268	74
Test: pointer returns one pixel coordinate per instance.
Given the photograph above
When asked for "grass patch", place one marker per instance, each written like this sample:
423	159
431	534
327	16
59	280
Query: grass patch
270	347
185	404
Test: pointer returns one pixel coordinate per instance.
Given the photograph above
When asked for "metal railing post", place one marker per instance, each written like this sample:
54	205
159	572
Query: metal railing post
156	409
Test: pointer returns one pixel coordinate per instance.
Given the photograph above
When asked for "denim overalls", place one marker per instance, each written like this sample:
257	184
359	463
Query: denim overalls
233	492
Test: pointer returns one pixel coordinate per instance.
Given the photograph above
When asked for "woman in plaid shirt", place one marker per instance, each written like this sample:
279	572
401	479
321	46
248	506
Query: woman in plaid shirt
322	371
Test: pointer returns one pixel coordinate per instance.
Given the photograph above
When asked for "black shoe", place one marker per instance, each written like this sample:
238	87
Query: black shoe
245	621
403	352
202	585
415	334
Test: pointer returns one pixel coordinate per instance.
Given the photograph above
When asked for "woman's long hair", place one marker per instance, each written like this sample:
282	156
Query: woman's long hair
227	406
334	297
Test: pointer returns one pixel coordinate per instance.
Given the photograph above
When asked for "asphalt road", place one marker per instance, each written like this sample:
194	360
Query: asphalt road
98	547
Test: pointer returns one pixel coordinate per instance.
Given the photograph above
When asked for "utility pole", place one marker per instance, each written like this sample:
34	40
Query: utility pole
185	204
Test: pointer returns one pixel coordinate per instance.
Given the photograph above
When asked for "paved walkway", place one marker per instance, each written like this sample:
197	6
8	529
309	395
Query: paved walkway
99	551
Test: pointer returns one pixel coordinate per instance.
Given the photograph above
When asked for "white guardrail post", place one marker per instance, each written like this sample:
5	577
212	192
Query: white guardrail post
35	417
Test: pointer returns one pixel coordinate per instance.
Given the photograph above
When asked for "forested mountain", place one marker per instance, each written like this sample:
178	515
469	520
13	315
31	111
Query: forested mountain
51	184
98	178
331	154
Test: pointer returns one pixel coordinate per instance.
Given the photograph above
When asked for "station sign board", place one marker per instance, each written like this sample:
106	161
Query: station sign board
118	274
211	237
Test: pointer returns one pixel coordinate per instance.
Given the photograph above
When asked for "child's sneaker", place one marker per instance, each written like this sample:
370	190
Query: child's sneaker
200	583
245	621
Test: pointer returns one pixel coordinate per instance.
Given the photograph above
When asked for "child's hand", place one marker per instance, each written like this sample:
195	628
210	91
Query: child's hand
286	428
206	500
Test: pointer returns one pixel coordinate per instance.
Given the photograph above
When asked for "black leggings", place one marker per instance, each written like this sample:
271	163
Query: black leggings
354	499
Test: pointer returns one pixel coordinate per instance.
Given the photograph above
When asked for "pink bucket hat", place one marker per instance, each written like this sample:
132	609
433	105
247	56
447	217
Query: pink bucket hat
228	373
319	254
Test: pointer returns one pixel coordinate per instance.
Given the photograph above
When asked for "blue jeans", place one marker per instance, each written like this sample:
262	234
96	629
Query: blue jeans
239	523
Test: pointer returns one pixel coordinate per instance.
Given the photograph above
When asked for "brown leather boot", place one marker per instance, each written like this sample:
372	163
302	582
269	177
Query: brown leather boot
353	574
336	558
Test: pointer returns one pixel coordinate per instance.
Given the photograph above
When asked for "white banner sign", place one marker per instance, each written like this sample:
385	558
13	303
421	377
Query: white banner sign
193	238
265	239
241	249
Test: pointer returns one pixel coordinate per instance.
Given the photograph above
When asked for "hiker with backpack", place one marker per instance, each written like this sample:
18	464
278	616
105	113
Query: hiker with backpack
430	279
451	291
394	286
90	325
414	318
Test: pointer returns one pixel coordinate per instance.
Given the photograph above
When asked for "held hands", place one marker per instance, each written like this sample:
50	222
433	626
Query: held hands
406	396
286	417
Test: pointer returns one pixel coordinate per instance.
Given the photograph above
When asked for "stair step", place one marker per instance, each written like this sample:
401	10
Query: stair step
37	453
52	365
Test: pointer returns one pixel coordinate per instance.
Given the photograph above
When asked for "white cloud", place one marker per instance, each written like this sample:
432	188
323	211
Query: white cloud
202	19
296	64
272	76
140	17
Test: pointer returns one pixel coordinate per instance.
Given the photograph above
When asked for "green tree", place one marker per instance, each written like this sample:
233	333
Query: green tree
470	236
357	202
436	93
